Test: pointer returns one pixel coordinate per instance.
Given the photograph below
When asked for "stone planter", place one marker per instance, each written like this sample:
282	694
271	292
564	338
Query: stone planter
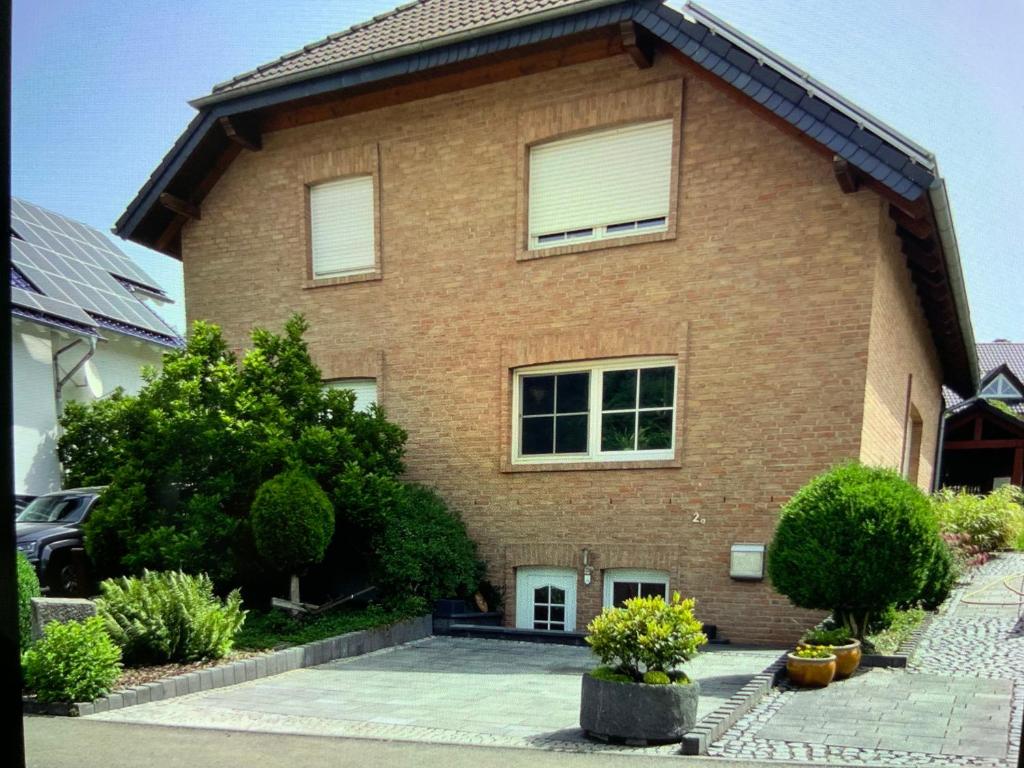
810	673
636	712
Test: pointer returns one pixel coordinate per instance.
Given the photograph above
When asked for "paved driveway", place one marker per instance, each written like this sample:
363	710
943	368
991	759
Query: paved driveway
449	690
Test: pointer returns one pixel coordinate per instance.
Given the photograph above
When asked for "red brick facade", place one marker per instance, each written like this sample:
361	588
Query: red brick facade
784	301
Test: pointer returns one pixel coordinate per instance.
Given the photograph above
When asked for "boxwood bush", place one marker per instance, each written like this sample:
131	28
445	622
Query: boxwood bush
169	616
75	661
854	541
28	587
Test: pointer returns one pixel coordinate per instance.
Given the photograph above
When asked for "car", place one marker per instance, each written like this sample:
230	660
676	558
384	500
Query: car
48	531
20	502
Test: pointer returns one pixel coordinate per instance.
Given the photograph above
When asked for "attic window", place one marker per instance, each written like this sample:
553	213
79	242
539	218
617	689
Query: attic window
1000	387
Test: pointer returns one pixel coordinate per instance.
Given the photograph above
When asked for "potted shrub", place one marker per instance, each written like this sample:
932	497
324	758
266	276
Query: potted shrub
640	694
847	649
811	666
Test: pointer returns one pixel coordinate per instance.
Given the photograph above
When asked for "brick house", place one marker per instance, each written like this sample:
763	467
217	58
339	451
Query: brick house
627	278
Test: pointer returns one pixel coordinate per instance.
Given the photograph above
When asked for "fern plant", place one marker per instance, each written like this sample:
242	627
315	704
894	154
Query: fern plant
169	616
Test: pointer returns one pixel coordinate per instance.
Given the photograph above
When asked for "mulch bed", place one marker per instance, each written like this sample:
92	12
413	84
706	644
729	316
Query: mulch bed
135	676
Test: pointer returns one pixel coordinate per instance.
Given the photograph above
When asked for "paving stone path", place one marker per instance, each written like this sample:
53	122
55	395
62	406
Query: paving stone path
959	702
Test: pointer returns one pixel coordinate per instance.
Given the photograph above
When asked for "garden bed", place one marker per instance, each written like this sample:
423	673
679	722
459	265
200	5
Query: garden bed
274	630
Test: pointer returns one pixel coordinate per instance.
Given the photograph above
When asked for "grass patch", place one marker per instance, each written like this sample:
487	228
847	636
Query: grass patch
900	626
266	630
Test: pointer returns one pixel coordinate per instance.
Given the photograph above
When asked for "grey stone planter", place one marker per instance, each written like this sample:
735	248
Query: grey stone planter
637	713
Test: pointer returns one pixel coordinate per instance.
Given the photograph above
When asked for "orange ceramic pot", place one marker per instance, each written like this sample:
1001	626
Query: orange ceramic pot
847	659
810	673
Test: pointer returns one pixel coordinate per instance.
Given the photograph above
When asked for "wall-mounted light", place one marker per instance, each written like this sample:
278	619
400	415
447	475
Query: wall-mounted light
587	570
746	562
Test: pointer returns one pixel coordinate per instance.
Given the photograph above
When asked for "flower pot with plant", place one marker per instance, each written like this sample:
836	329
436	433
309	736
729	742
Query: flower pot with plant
811	666
846	648
639	694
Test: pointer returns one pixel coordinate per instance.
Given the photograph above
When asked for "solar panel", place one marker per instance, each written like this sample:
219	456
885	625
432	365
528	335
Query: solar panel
50	306
49	230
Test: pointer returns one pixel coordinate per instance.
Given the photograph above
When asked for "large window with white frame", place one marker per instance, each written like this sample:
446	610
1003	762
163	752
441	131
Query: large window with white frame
600	185
342	228
608	410
621	584
365	391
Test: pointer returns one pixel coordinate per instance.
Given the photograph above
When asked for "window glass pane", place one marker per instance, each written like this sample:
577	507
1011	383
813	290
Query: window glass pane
618	431
538	394
538	435
657	386
540	625
571	434
619	390
655	430
540	613
558	613
557	596
573	392
623	591
556	626
540	595
653	589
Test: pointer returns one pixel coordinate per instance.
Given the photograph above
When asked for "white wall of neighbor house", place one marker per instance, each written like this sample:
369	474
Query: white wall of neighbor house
117	362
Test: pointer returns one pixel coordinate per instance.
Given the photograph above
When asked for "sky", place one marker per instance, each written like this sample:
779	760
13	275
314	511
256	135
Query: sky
100	91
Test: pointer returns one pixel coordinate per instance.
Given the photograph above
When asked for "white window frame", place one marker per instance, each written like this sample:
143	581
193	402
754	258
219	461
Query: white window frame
1004	390
372	266
631	576
596	369
528	578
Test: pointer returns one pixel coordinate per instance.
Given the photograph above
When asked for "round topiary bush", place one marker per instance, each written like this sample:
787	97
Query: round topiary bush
28	587
854	541
292	523
943	572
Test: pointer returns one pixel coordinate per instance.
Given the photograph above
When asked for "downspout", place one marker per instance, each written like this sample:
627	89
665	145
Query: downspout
939	445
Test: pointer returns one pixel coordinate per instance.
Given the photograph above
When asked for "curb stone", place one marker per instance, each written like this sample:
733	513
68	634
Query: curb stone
714	725
266	665
906	650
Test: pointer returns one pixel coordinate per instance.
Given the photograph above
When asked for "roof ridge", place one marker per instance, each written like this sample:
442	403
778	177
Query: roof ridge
319	43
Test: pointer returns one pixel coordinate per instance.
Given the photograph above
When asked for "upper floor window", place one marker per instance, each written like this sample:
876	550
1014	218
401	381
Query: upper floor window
365	391
341	215
1000	387
605	184
615	410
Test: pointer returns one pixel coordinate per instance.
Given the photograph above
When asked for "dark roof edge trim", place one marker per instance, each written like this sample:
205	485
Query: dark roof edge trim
392	53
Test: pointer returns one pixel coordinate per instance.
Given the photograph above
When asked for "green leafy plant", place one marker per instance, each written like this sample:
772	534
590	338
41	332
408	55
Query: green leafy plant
170	616
854	540
837	636
943	573
292	524
814	652
654	677
646	635
28	587
892	628
992	521
74	661
609	675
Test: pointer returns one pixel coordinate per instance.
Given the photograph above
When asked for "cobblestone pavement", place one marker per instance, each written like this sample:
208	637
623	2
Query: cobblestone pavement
444	690
958	703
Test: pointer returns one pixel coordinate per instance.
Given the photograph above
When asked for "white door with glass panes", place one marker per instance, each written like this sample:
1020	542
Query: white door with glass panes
546	599
621	584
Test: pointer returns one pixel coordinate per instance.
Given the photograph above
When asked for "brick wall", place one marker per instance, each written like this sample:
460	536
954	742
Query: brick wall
764	293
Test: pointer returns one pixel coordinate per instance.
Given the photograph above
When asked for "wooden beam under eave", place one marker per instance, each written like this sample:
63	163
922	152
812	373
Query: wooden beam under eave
639	48
919	227
179	206
168	242
847	176
243	132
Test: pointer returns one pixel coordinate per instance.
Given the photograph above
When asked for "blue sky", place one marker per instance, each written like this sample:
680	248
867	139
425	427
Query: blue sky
100	90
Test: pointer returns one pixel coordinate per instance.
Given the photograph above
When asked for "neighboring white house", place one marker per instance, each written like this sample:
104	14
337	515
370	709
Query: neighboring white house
80	329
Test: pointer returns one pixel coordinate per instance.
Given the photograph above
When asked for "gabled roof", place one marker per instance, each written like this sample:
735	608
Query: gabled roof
407	44
995	358
67	275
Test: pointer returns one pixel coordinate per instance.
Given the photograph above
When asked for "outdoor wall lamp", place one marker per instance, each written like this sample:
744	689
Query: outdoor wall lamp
746	562
587	570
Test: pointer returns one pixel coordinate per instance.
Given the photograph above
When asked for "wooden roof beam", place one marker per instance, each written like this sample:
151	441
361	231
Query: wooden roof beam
637	44
847	176
179	206
242	131
919	227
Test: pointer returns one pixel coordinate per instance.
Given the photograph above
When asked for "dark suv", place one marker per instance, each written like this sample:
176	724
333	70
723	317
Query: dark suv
49	529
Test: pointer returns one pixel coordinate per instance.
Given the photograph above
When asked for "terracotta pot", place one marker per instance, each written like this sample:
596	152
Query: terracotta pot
847	659
811	673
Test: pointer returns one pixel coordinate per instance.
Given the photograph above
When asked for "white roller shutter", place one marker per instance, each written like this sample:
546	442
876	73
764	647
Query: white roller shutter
365	391
341	225
601	179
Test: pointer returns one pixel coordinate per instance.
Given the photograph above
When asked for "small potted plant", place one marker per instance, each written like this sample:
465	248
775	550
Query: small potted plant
811	666
845	647
640	694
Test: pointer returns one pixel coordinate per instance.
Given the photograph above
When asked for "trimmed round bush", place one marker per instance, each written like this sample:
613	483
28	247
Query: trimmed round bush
74	661
943	572
854	541
292	521
28	587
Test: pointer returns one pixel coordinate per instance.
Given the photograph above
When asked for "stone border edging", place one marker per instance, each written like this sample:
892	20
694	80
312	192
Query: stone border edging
714	725
273	663
906	649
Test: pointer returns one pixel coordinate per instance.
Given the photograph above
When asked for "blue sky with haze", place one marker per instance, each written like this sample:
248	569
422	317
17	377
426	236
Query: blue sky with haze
100	89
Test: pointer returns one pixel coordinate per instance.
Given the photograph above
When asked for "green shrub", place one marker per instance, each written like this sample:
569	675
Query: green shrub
992	521
75	661
422	548
646	635
943	573
609	675
654	677
892	628
838	636
854	540
170	616
28	587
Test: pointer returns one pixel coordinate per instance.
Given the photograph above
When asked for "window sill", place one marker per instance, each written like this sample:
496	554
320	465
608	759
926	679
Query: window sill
358	277
581	466
597	245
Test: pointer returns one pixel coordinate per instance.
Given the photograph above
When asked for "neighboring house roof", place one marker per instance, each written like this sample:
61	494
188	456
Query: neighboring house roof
994	357
416	38
67	275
